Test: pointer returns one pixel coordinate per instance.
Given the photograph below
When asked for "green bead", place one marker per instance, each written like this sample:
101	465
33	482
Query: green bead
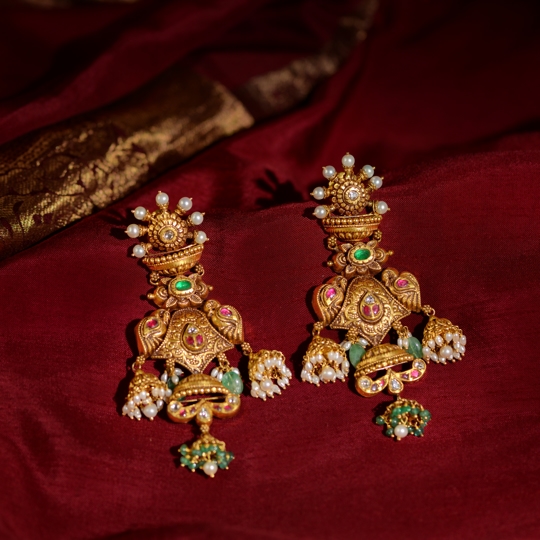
397	411
379	420
170	384
232	382
425	414
389	432
394	422
415	348
417	432
405	409
355	354
415	410
183	285
362	254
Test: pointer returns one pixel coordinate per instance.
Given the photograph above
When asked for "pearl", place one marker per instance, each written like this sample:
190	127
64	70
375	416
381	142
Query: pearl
159	404
125	409
268	363
130	404
345	345
317	358
363	342
196	218
347	160
140	212
155	392
449	336
143	395
137	414
133	230
200	237
210	468
376	182
214	373
255	386
236	370
305	375
426	351
328	171
334	356
345	366
463	340
164	377
368	170
150	410
439	341
276	389
328	374
168	392
162	393
175	379
162	199
262	395
185	204
446	352
401	431
381	207
405	343
434	357
139	251
431	344
178	371
267	385
320	212
315	379
318	193
137	399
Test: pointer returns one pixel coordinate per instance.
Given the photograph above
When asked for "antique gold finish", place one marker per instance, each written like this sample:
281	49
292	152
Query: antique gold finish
190	330
368	301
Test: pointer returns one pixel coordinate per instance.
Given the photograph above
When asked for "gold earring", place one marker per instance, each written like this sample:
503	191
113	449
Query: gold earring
189	331
367	301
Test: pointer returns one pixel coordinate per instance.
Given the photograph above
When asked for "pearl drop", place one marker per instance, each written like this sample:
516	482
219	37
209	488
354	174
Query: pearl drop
318	358
125	409
140	212
185	204
319	193
431	344
328	374
376	182
178	371
345	366
439	340
255	386
268	363
305	375
315	379
368	170
214	372
449	336
463	340
143	395
426	352
210	468
401	431
320	212
196	218
130	404
334	356
434	357
276	389
345	345
133	231
168	392
162	199
139	251
254	393
446	352
405	343
236	370
363	342
347	160
137	399
164	377
328	171
162	392
159	404
200	237
381	207
137	414
150	411
308	366
266	385
155	392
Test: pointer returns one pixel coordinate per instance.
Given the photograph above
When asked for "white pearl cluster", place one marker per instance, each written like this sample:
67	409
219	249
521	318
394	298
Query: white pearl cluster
447	348
325	367
147	403
266	371
404	342
217	373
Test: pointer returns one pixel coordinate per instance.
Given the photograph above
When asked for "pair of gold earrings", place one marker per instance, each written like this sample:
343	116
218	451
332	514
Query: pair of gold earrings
189	331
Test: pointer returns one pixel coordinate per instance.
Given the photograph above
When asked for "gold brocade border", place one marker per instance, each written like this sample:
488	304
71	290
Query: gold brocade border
58	174
61	173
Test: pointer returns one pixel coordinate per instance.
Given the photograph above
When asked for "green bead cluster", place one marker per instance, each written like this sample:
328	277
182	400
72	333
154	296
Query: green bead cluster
406	413
195	457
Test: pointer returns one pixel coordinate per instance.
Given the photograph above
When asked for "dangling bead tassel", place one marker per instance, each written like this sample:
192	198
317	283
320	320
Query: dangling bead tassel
404	417
206	453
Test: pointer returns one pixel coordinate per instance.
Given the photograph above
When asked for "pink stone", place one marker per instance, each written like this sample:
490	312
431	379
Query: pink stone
199	339
330	293
183	412
402	282
227	407
190	340
415	373
225	311
366	310
151	323
375	309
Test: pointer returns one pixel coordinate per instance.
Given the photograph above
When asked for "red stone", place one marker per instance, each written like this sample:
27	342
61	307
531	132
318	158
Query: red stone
330	293
375	309
199	339
225	311
190	340
366	310
227	407
183	412
151	323
402	282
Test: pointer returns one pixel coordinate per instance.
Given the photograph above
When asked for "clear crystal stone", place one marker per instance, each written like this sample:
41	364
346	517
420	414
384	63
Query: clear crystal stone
369	299
419	364
353	194
395	384
169	235
364	383
374	387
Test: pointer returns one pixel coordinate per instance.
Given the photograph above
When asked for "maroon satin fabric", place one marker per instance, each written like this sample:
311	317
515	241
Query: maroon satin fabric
444	102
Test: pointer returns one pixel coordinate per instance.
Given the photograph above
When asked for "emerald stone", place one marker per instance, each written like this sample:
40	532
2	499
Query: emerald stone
379	420
405	409
394	422
183	285
362	254
415	348
389	432
232	382
426	415
415	411
355	354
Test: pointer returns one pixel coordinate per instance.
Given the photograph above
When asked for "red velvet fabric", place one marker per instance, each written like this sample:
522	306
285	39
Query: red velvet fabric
444	102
